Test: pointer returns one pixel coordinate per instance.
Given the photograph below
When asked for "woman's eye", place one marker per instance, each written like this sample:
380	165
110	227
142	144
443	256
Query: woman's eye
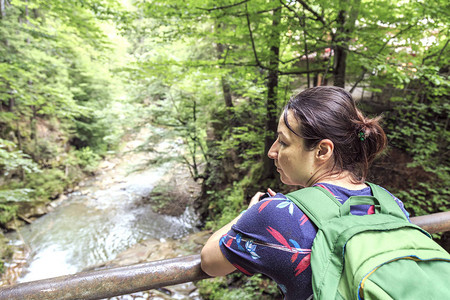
281	142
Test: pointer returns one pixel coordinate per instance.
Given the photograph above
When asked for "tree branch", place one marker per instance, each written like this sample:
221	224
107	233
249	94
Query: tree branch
440	53
290	9
361	78
434	54
328	66
301	72
396	35
308	8
290	60
364	70
223	7
279	72
241	14
302	22
251	38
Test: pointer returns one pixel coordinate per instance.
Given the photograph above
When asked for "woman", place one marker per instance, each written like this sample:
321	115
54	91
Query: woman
323	140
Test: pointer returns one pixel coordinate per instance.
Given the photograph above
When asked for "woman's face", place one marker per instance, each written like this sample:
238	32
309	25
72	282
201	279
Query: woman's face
295	164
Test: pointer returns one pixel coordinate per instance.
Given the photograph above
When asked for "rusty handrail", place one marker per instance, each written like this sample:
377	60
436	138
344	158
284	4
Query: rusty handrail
434	223
141	277
111	282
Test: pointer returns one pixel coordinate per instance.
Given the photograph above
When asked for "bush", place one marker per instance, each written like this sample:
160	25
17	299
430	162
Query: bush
46	185
6	252
238	286
418	125
9	203
87	159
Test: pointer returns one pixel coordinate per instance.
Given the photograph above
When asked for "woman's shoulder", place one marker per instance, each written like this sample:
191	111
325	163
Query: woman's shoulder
270	209
274	215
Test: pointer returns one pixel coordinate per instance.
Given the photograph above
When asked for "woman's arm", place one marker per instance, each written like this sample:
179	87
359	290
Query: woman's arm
213	262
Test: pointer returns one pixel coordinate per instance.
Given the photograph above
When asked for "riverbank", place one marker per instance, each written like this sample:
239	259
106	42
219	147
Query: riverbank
159	249
137	194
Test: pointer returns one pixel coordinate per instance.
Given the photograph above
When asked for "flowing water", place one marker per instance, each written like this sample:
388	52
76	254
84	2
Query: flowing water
104	217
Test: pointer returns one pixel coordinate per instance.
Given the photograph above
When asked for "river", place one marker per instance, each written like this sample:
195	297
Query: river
105	216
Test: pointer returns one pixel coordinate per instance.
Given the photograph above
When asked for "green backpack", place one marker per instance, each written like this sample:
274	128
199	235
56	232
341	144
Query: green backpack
377	256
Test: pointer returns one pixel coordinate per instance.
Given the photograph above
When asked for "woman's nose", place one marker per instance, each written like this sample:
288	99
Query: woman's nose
273	151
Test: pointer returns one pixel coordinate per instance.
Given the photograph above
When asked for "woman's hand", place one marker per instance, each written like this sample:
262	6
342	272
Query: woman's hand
255	199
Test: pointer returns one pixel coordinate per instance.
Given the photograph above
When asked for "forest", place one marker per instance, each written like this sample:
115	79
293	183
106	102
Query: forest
78	76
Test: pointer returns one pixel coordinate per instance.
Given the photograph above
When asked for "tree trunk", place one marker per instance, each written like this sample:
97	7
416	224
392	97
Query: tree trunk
305	45
227	93
226	89
19	144
34	135
272	85
11	104
346	24
2	9
340	54
340	64
27	21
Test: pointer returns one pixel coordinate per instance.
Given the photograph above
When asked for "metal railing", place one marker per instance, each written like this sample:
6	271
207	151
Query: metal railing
146	276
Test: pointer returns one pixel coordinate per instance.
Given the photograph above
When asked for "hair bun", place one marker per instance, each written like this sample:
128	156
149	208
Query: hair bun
367	126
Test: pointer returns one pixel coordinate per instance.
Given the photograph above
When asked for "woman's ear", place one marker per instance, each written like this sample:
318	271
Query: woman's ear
325	150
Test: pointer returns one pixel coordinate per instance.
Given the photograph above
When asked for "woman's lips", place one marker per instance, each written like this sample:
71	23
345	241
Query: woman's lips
278	168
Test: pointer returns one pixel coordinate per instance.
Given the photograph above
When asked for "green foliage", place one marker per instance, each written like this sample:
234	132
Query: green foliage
226	204
15	160
87	159
16	195
210	73
160	197
12	162
47	73
6	252
48	184
96	123
9	203
397	49
173	96
427	198
418	125
256	287
7	212
58	91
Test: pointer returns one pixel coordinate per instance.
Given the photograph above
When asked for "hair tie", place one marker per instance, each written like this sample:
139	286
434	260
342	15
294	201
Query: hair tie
362	136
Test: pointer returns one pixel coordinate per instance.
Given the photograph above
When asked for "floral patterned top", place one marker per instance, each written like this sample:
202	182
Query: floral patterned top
274	237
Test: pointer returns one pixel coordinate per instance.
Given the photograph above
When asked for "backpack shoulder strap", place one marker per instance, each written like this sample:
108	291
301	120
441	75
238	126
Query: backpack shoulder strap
387	200
320	205
317	203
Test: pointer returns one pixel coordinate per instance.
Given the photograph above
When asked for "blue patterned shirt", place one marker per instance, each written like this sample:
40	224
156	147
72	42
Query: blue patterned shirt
274	237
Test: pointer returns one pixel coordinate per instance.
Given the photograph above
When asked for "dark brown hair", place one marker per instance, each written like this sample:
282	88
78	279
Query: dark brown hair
329	112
